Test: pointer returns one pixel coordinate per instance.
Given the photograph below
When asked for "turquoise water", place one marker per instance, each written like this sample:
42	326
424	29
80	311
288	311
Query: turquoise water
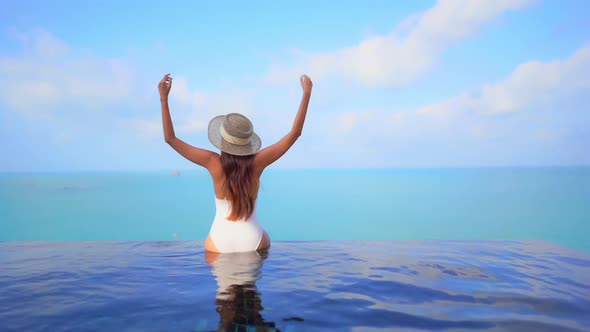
552	204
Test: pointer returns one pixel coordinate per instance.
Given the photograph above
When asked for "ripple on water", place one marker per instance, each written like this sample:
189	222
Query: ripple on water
297	286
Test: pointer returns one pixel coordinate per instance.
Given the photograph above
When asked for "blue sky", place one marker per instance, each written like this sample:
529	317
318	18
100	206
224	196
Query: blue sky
396	84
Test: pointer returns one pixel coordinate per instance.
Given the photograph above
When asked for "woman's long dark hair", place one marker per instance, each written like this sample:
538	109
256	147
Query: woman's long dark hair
241	184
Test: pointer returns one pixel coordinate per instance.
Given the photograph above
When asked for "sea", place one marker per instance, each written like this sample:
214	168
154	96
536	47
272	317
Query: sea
551	204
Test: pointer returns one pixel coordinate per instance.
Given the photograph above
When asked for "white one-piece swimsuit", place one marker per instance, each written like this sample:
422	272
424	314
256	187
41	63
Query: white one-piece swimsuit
234	236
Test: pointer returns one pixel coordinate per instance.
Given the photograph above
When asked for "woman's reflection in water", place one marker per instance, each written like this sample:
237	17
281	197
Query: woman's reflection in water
238	300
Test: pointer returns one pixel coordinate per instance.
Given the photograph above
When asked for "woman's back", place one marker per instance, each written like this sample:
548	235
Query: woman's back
237	179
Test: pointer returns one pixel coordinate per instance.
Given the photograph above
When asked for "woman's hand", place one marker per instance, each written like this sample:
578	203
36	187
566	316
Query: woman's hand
164	86
306	83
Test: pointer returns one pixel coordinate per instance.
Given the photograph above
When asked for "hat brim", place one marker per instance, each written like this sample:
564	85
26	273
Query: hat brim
238	150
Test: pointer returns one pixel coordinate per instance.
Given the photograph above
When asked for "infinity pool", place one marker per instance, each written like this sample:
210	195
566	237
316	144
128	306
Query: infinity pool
296	286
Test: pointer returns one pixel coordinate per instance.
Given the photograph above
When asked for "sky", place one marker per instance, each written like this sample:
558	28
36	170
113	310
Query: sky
450	83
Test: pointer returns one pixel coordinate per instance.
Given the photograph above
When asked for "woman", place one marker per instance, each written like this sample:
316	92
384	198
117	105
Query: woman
236	172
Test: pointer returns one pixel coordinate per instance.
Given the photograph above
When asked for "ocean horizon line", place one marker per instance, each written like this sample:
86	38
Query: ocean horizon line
200	169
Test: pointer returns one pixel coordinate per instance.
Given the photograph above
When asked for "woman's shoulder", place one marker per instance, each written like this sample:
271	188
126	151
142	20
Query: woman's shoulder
215	168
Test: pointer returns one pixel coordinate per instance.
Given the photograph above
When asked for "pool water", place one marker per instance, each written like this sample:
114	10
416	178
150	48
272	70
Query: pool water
296	286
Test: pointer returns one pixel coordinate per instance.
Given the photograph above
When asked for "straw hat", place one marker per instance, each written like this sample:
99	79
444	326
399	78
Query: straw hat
234	134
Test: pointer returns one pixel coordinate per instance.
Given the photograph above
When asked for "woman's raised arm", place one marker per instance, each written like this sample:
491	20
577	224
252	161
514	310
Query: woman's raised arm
273	152
196	155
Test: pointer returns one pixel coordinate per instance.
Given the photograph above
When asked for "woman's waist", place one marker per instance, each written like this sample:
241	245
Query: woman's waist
222	225
222	217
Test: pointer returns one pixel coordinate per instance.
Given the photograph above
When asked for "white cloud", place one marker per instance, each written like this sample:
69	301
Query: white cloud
146	128
31	97
526	118
348	120
191	110
50	81
48	46
192	126
534	83
182	94
49	73
405	53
